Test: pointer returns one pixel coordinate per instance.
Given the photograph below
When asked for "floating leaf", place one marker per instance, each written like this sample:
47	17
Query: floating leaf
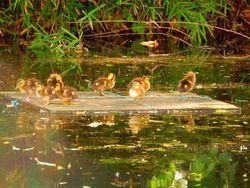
15	148
63	183
44	163
94	124
28	149
59	167
73	149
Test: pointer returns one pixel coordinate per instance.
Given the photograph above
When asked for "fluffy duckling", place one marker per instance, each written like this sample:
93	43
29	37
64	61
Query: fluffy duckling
47	92
187	83
29	86
40	89
137	90
55	80
103	83
67	94
144	80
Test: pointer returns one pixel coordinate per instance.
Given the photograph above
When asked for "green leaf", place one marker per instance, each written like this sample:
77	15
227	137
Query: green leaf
138	27
127	14
137	46
197	166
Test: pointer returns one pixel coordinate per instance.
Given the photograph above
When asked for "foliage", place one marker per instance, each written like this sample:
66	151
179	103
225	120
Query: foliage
165	179
60	26
204	169
211	169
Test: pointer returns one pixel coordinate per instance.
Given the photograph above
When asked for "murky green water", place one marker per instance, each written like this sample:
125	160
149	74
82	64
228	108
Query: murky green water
130	151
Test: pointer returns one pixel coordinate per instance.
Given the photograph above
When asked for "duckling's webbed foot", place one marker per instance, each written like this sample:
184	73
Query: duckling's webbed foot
28	98
47	100
140	101
67	102
101	93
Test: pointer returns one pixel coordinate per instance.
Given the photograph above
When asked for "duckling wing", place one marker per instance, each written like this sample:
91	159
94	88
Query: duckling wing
32	82
100	84
137	79
55	79
31	85
184	85
50	91
70	93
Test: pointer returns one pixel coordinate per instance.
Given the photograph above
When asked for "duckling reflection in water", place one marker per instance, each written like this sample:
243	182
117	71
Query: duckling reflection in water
29	86
108	119
187	83
137	91
138	122
103	83
187	121
144	81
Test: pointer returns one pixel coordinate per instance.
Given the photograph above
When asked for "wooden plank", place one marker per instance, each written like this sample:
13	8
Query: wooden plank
154	103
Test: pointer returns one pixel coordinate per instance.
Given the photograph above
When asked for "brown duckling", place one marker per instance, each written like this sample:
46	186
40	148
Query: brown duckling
144	80
55	80
67	94
47	92
28	86
187	83
137	90
103	83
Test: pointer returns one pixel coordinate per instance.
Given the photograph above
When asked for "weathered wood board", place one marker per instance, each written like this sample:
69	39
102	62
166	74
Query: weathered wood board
153	103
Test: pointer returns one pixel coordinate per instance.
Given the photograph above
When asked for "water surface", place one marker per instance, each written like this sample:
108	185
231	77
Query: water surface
178	150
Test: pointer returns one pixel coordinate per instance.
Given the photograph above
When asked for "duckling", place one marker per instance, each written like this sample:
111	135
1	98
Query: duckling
103	83
28	86
40	89
144	80
47	92
67	94
55	80
187	83
137	90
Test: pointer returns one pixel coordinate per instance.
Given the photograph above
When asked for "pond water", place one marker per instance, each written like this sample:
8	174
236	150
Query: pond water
115	150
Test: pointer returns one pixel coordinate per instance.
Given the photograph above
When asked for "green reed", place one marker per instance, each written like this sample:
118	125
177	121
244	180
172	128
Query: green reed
59	26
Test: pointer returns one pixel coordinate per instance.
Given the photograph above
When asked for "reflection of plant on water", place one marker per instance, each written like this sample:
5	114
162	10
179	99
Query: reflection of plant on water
200	170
